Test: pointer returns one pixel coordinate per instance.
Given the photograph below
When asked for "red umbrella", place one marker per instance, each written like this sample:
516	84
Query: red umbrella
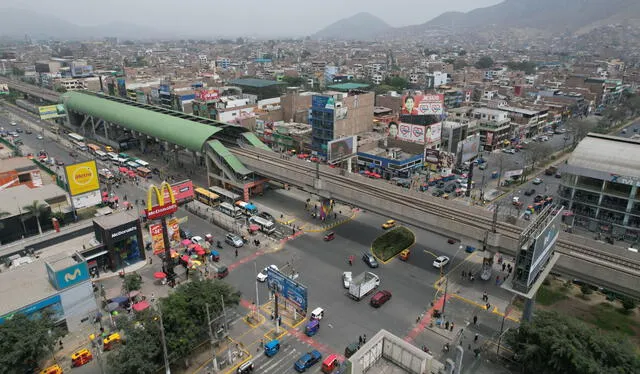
123	169
185	258
159	275
200	251
105	194
138	307
254	228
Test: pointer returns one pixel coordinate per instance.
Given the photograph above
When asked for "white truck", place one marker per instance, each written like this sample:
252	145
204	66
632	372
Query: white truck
363	284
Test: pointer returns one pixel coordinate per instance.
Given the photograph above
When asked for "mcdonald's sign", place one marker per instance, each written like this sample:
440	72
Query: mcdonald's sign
163	207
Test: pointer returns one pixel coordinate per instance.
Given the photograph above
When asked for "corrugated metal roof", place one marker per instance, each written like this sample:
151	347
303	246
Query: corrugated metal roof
348	86
608	154
185	133
256	83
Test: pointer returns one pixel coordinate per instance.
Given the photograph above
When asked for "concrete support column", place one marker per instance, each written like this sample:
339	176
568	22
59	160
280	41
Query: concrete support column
106	132
527	312
143	143
632	194
349	165
194	154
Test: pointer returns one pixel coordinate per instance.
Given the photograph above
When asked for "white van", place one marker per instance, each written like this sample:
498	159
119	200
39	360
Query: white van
317	313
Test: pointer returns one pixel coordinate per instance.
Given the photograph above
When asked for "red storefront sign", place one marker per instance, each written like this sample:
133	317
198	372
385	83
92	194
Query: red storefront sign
182	191
161	210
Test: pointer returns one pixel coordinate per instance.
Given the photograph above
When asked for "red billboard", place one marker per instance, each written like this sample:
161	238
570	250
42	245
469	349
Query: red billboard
182	191
422	105
207	95
161	210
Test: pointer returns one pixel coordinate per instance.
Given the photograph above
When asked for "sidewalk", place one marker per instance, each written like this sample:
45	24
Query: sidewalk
471	292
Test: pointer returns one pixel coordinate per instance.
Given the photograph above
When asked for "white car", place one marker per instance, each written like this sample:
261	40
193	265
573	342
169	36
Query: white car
40	137
440	262
347	277
262	276
197	240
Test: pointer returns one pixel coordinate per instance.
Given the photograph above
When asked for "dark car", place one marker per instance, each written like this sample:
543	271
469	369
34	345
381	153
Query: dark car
380	298
369	260
529	192
450	188
29	132
437	193
558	175
307	360
267	216
185	234
538	198
19	130
440	184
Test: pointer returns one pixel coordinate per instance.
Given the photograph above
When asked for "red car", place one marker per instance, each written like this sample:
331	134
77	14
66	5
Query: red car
380	298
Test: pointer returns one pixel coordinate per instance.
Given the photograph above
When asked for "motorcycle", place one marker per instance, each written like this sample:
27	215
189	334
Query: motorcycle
218	244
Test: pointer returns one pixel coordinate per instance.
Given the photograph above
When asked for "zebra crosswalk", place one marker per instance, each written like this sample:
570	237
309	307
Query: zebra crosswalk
282	362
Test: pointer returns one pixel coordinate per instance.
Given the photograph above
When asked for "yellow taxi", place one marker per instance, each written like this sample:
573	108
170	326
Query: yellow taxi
81	357
389	224
108	148
110	341
53	369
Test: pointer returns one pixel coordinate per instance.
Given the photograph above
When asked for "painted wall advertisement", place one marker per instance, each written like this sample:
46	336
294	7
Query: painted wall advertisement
429	104
207	95
433	133
52	111
157	241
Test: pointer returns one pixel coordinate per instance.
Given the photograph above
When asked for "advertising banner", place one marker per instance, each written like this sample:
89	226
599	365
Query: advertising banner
72	275
173	229
322	102
342	148
82	177
341	113
52	111
469	148
431	104
182	191
434	133
86	200
207	95
542	246
157	241
512	173
489	140
287	288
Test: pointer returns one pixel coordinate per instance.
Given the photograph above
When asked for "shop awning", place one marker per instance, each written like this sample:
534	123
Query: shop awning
95	255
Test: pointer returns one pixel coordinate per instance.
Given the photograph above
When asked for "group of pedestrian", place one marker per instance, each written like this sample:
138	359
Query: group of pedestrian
362	339
449	325
468	275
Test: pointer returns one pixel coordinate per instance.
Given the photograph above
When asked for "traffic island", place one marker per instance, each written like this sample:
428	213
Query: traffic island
391	243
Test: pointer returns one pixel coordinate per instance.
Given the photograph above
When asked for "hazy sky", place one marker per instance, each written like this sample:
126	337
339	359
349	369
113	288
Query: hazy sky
273	17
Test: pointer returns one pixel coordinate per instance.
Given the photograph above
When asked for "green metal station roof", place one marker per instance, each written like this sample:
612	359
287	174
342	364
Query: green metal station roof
188	134
348	86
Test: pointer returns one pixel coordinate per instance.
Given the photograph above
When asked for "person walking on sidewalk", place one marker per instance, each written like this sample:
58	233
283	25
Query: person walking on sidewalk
475	320
236	252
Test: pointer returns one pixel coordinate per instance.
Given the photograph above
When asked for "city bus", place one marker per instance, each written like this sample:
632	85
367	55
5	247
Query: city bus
130	164
80	145
94	148
230	210
124	155
266	226
247	208
142	163
102	156
113	157
207	197
105	175
143	172
76	137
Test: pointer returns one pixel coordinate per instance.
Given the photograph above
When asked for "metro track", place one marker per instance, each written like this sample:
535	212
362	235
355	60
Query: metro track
439	210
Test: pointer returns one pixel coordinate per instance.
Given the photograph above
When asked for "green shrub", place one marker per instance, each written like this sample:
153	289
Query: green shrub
392	242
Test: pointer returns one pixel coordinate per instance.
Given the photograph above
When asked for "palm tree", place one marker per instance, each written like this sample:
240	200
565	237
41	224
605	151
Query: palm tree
36	209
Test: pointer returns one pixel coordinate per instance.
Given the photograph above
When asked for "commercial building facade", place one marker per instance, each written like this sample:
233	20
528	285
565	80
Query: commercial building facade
600	187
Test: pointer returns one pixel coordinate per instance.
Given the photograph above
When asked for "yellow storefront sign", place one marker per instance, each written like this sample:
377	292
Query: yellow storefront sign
82	177
52	111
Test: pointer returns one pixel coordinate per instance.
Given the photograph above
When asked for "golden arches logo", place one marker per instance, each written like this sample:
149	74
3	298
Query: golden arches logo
72	276
159	192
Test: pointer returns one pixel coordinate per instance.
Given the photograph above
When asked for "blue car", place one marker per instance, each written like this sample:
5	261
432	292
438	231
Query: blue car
307	361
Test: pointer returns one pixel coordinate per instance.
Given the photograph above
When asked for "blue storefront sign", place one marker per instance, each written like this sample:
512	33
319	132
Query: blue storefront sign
53	304
288	288
322	102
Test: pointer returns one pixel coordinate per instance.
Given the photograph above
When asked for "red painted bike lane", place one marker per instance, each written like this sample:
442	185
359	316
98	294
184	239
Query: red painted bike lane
425	320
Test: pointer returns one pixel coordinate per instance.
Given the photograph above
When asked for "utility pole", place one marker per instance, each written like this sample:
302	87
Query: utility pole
214	360
494	221
255	268
167	367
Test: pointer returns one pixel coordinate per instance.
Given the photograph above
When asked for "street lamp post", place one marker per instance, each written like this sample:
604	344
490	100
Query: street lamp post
446	281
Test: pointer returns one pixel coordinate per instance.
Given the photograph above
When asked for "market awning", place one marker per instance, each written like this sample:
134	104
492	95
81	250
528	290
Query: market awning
95	255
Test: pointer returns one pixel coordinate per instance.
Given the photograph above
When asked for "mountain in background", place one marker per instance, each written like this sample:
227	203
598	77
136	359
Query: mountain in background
549	15
361	26
556	16
17	23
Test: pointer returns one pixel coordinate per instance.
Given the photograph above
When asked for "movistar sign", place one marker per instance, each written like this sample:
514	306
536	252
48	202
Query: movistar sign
72	275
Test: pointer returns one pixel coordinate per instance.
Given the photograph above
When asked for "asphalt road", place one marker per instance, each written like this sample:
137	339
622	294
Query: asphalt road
320	265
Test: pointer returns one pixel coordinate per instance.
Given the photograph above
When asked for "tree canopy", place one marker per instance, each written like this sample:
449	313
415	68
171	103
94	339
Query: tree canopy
25	341
527	66
294	81
398	83
484	62
553	343
184	315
